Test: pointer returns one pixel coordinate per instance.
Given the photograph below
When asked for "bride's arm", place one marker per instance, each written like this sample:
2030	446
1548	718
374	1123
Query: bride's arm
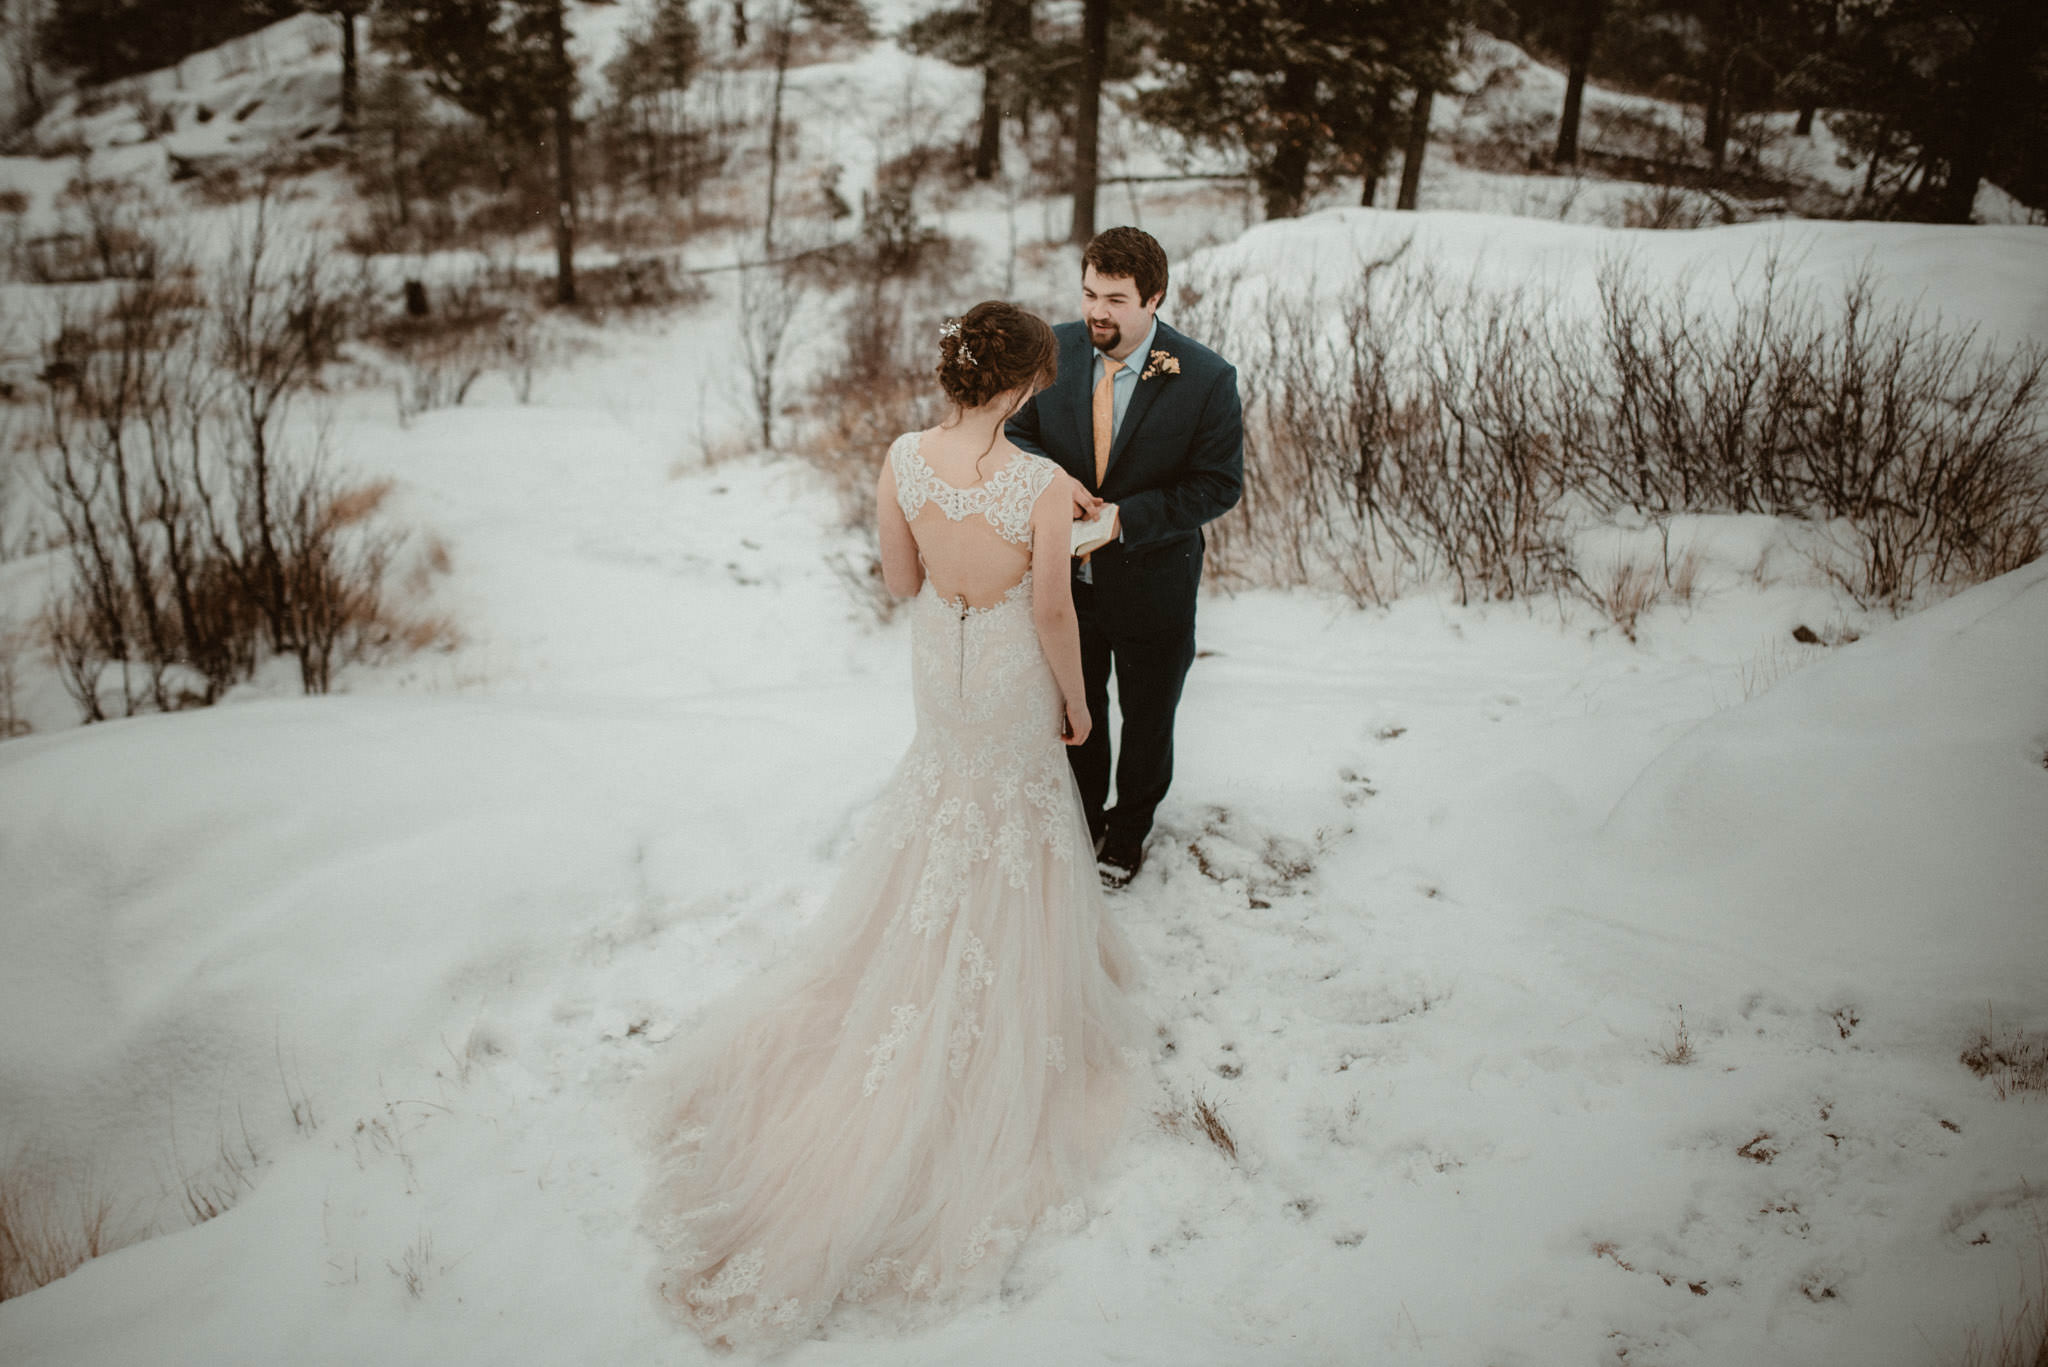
1052	599
902	571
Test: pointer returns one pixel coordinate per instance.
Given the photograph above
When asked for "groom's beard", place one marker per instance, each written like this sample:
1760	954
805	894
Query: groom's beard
1108	343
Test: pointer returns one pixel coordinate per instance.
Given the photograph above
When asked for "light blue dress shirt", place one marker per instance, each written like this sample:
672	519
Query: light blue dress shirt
1126	382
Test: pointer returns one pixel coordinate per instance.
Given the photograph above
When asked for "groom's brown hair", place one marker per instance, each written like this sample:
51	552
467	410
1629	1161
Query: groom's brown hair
1132	253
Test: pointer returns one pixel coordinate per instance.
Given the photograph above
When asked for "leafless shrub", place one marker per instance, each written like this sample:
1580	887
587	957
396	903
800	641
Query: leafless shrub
862	576
1670	207
201	537
769	298
634	285
1924	449
2016	1061
460	331
1644	134
1411	429
54	1218
876	386
101	236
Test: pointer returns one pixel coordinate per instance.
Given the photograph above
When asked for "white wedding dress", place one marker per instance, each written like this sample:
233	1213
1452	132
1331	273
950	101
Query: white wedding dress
941	1067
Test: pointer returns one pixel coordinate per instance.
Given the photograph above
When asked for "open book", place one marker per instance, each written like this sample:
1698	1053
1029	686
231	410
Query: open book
1095	532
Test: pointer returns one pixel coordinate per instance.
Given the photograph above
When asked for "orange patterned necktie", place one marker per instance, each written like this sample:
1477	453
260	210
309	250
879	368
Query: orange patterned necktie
1105	416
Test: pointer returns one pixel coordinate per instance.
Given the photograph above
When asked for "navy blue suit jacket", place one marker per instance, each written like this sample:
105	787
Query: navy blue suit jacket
1177	463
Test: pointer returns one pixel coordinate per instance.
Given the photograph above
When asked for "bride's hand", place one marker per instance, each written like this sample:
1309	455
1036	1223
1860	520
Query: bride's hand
1077	727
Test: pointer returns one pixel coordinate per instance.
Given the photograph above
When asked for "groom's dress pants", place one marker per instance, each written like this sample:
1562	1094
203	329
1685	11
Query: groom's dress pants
1151	665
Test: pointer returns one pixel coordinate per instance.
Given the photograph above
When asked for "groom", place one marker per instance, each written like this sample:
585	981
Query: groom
1148	421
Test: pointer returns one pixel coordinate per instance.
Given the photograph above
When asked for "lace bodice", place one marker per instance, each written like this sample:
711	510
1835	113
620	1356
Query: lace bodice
1004	498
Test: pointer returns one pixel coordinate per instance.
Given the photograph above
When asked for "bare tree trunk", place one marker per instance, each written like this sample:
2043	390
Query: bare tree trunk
2000	55
1590	14
347	19
1373	160
1830	36
1087	119
988	146
565	156
1284	181
1418	146
21	50
1719	99
1956	201
780	38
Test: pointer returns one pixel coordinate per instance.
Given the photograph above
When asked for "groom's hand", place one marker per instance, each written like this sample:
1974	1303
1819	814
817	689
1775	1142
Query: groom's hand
1085	503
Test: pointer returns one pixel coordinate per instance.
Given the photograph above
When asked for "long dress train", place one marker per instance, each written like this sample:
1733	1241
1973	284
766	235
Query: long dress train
945	1062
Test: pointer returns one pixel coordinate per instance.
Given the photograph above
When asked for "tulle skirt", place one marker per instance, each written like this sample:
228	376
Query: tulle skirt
936	1074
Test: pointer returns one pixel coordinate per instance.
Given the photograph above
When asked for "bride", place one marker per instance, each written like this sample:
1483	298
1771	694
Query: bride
939	1071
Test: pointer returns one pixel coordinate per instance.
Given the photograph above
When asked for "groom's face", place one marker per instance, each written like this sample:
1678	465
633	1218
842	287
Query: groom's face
1117	318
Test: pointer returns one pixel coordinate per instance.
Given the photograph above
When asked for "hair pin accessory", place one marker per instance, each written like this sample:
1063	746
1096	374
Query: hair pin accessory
951	328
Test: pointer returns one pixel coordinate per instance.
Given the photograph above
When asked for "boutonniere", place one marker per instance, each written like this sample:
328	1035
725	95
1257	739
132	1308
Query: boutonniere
1162	363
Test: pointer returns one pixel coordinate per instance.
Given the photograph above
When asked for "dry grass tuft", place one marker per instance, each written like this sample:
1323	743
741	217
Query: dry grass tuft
2016	1061
1606	1248
1626	593
1684	577
415	1266
352	506
419	632
1198	1119
1778	659
1758	1149
14	643
1680	1051
53	1221
212	1192
2021	1339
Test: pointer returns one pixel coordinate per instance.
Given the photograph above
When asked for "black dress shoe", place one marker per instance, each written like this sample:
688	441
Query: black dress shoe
1120	858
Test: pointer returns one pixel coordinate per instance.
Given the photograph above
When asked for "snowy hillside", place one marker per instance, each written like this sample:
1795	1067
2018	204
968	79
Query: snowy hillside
1570	995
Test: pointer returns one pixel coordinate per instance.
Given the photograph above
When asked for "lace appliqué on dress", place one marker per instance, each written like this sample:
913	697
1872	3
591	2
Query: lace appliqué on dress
1005	498
903	1019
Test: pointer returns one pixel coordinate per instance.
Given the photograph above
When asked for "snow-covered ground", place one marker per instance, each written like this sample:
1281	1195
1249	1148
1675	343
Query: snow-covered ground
1437	894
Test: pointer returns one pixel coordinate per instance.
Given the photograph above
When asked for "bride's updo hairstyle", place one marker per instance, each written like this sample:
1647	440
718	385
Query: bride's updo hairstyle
994	348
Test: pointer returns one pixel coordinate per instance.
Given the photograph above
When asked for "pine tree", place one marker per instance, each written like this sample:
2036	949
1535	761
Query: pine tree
1301	87
506	63
653	68
1945	93
103	40
996	38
